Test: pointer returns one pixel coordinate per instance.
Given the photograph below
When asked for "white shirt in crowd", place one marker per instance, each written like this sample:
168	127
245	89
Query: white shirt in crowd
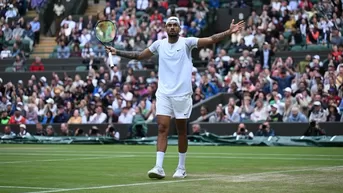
5	54
98	118
125	119
175	61
127	96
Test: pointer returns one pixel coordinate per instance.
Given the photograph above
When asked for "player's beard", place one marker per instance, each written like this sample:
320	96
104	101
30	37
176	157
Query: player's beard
173	35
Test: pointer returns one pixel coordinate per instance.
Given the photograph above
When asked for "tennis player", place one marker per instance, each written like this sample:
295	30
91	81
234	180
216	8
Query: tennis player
174	93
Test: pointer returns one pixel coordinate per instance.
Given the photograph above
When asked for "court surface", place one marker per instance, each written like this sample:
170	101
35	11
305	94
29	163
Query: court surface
117	168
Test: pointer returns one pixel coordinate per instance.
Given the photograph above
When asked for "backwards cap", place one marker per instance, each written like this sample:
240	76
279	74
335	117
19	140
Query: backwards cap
173	20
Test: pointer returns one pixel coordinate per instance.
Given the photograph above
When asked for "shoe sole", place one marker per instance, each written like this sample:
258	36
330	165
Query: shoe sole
155	176
180	176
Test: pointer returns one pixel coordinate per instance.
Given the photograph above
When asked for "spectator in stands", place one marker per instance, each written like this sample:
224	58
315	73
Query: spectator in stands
296	116
196	129
5	53
274	115
318	114
39	130
75	118
63	51
260	112
203	114
18	64
11	12
61	116
37	65
7	32
218	115
4	119
17	118
35	27
31	114
99	117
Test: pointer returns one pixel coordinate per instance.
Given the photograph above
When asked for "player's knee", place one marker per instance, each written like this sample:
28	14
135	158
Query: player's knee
162	128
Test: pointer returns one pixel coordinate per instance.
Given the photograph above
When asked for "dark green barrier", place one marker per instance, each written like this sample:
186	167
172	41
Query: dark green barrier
207	139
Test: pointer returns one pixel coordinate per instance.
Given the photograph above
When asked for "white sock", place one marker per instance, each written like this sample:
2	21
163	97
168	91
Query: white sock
159	158
182	160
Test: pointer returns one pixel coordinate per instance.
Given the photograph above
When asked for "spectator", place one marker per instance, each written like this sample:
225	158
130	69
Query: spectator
243	133
37	65
125	117
98	117
318	114
5	53
11	12
203	114
18	65
274	115
296	116
232	116
35	27
63	51
76	118
23	132
218	116
48	118
17	118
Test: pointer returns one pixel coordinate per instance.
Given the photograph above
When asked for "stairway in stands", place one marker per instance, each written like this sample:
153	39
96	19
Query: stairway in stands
94	9
46	45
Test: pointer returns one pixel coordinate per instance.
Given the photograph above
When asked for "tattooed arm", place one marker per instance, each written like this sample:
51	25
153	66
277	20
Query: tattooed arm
145	54
203	42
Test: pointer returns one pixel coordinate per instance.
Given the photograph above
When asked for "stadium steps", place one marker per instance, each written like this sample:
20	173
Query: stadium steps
94	9
31	13
45	47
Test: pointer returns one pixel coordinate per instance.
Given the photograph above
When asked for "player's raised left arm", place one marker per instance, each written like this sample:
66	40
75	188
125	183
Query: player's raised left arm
203	42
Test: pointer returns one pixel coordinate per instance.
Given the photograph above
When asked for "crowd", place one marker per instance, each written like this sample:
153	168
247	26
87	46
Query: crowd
139	24
264	88
18	36
271	88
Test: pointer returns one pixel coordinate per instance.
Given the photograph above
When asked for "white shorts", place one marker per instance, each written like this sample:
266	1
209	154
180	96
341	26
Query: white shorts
179	107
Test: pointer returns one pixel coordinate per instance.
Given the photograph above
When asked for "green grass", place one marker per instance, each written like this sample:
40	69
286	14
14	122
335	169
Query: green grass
115	168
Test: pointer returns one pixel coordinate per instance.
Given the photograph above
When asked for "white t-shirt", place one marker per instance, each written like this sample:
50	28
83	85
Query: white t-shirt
175	65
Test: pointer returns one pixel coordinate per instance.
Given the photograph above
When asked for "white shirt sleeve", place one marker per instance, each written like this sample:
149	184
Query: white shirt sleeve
192	42
154	47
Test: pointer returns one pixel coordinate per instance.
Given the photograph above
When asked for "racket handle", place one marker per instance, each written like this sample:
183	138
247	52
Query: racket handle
110	59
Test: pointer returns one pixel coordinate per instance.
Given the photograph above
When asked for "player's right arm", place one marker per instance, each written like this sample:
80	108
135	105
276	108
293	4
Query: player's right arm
136	55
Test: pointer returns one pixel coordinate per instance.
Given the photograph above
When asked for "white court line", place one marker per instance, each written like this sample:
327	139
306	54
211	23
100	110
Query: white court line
67	159
175	156
25	187
175	153
185	180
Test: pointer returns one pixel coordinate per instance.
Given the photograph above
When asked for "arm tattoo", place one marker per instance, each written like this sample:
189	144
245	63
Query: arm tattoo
220	36
128	54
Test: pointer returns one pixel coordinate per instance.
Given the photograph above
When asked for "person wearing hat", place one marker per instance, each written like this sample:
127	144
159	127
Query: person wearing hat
174	93
318	114
23	132
17	118
274	115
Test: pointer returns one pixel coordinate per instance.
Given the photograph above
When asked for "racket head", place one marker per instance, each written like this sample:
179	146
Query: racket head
105	31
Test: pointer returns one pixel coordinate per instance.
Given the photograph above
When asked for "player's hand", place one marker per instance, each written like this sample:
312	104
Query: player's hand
111	50
236	27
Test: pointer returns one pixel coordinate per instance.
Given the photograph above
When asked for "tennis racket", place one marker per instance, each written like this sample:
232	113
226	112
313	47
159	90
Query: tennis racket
105	32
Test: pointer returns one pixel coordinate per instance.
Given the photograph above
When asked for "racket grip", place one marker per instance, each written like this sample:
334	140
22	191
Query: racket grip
110	59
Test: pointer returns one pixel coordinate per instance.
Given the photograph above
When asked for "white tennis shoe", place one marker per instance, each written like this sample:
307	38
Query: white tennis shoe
156	173
180	173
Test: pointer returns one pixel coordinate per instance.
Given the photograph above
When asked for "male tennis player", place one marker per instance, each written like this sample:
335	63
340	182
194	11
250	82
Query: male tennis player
174	93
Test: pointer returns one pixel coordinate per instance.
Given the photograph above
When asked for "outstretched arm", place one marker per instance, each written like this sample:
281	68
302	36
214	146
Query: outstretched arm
145	54
203	42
